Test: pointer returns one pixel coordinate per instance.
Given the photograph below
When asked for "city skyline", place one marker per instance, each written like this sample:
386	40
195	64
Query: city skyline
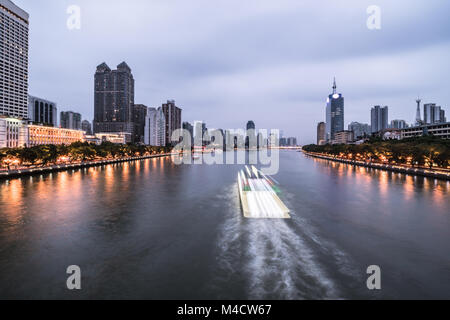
216	83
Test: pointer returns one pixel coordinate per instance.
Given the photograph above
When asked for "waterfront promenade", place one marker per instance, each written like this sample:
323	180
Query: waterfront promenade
430	173
16	173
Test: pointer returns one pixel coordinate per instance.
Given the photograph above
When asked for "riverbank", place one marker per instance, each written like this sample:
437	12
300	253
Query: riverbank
385	167
12	174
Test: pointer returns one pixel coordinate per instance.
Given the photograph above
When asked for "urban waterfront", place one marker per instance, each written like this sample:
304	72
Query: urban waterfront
153	229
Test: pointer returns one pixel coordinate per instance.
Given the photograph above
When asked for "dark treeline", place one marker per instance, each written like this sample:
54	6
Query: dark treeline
422	151
78	151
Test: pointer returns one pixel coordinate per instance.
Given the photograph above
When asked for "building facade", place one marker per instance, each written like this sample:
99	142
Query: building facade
155	128
334	114
343	137
398	124
379	118
113	99
139	115
441	130
172	116
86	127
70	120
39	135
13	60
321	128
13	133
433	114
42	111
360	130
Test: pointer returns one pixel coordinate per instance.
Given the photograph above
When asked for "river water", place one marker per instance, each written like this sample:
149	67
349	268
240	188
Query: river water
155	230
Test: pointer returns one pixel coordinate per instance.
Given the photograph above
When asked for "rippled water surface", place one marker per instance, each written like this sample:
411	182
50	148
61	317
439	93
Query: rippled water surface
152	229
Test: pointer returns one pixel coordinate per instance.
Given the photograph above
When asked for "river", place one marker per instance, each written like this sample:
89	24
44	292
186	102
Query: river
151	229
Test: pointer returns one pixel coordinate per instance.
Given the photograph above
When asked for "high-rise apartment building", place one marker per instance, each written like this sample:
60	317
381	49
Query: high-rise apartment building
70	120
321	128
433	114
86	127
42	111
360	130
113	99
334	114
173	120
398	124
139	116
13	60
379	118
155	128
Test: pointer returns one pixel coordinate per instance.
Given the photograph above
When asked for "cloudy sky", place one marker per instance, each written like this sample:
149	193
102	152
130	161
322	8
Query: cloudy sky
228	61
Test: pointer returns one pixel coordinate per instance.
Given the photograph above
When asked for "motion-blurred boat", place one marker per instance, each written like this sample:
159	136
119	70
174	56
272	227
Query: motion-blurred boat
259	197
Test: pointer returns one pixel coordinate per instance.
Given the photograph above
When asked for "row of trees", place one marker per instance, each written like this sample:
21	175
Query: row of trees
422	151
78	151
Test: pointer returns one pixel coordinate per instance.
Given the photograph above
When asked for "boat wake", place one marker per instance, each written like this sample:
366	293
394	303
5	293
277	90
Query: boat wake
274	259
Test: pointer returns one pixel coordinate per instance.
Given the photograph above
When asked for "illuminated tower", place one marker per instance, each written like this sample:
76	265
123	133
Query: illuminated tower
334	114
418	118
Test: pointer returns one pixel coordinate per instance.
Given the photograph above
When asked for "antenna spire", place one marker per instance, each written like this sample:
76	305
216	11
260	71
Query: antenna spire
334	85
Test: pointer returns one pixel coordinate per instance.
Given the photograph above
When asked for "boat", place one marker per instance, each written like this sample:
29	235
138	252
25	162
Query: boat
258	194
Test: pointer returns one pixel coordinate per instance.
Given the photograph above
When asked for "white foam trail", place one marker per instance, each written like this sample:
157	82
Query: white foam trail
274	259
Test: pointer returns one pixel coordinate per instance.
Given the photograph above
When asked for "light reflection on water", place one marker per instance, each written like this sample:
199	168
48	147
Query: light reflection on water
151	229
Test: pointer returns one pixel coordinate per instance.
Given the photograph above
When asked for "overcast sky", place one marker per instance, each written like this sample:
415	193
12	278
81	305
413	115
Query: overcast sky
229	61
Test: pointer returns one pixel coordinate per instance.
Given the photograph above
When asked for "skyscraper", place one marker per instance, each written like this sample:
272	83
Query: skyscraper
13	60
360	130
321	133
86	127
379	118
334	113
398	124
139	114
114	99
432	114
155	128
70	120
173	119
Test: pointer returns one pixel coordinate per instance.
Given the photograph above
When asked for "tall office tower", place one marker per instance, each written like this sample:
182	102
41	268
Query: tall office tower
173	120
114	99
432	113
360	130
86	127
251	125
13	60
398	124
443	118
334	114
190	128
418	118
251	139
70	120
321	128
139	114
42	111
379	118
155	128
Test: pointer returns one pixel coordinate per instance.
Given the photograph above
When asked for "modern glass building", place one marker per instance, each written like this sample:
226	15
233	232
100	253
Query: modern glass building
334	114
70	120
379	118
13	60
